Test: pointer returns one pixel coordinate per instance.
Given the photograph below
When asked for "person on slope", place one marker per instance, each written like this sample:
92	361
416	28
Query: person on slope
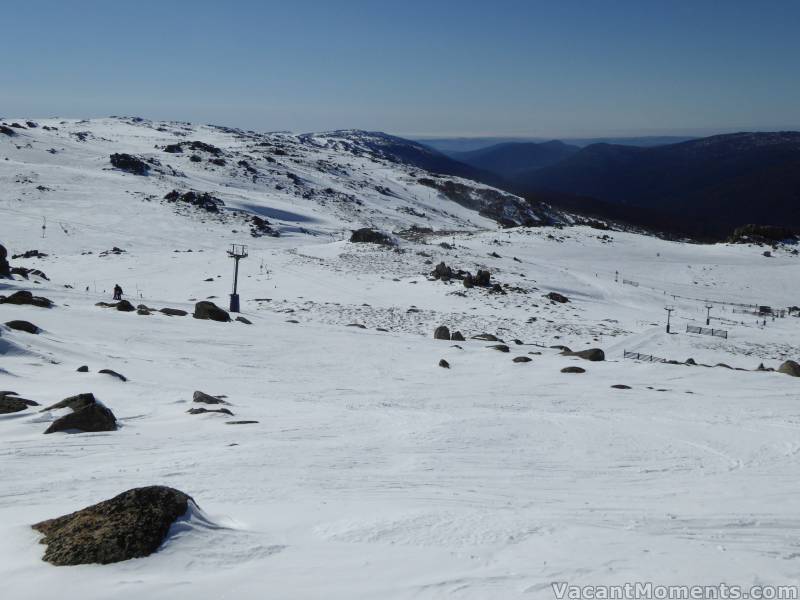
117	292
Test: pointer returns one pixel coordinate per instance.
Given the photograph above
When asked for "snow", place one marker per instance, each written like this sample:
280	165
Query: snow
372	472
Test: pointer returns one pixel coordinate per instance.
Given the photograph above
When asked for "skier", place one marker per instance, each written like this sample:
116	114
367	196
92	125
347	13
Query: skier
117	292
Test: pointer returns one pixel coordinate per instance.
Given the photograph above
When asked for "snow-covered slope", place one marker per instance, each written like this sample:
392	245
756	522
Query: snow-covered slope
371	472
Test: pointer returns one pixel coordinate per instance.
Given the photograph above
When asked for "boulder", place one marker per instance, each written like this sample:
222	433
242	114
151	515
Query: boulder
500	348
790	367
441	333
244	320
444	364
573	370
24	297
371	236
206	310
521	359
483	278
11	403
457	337
83	369
690	361
142	311
5	268
621	386
592	354
556	297
133	524
204	398
113	374
130	164
174	312
125	306
87	415
25	326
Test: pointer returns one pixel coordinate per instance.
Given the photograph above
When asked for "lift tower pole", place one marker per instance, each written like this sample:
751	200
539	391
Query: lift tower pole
669	310
708	313
237	253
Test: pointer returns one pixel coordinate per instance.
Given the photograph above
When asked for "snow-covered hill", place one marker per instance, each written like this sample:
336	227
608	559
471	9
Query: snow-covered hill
366	470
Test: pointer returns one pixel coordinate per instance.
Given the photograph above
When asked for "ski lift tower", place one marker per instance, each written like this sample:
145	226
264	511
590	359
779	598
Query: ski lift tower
237	253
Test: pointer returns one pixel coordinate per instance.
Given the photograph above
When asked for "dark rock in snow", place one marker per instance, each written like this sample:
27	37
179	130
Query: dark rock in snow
83	369
25	326
444	364
244	320
208	310
174	312
87	415
521	359
11	403
573	370
202	200
124	306
556	297
790	367
113	374
130	164
457	337
240	422
486	337
200	410
23	297
500	348
5	268
371	236
592	354
204	398
441	333
133	524
621	386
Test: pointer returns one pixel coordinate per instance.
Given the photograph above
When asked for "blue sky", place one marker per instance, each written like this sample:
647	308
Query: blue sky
559	68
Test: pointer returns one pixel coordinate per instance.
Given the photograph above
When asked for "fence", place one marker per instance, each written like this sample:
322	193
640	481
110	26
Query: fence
715	332
645	357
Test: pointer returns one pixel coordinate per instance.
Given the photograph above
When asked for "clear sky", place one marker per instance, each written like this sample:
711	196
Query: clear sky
504	67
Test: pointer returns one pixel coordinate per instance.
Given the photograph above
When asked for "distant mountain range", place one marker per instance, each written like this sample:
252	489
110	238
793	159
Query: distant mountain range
454	145
703	187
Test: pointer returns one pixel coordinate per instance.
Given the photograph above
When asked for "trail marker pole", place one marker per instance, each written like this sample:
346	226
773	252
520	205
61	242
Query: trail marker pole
669	310
708	314
237	253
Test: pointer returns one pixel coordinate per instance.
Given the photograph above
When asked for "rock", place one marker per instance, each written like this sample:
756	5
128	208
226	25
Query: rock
25	326
133	524
208	310
130	164
359	325
457	337
174	312
790	367
200	410
444	364
521	359
124	306
23	297
83	369
5	268
204	398
371	236
486	337
141	311
240	422
244	320
592	354
443	272
5	130
690	361
202	200
441	333
556	297
26	273
518	342
573	370
500	348
87	415
562	348
621	386
11	403
113	374
483	278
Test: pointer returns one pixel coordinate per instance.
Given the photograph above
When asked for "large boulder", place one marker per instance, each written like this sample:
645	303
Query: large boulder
11	403
5	268
129	163
23	297
125	306
371	236
441	333
25	326
133	524
87	415
790	367
208	310
593	354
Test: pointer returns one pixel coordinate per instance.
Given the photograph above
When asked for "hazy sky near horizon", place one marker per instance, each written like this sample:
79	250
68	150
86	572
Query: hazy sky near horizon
438	68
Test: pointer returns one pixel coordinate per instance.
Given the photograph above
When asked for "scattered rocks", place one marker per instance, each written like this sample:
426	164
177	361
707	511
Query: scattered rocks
113	374
130	164
790	367
573	370
88	415
444	364
441	333
208	310
521	359
371	236
25	326
28	254
133	524
23	297
201	200
592	354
